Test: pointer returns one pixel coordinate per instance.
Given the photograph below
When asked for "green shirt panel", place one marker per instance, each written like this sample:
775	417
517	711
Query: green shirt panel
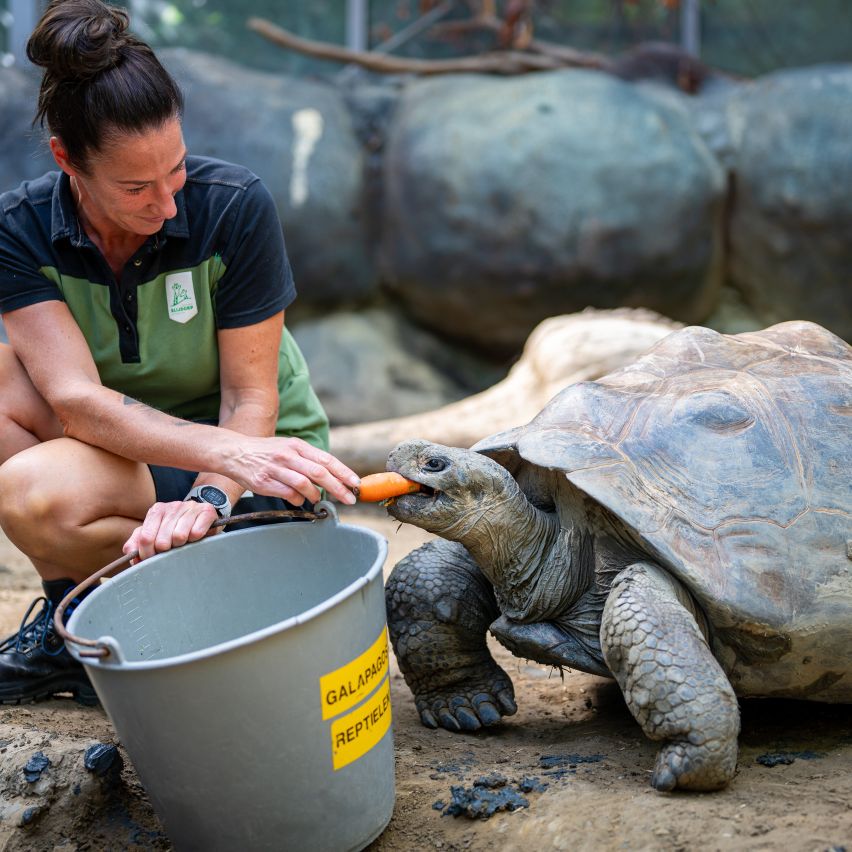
178	370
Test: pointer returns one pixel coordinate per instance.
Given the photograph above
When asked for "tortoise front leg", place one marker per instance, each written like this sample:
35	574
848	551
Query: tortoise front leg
439	607
671	681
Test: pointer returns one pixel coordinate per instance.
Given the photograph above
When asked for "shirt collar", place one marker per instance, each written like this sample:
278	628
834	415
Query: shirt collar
178	225
65	224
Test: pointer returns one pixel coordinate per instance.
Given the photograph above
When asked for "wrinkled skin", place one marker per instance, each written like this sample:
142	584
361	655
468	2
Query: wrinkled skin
573	591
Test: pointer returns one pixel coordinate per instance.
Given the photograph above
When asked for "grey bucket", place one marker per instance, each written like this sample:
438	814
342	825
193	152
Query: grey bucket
248	680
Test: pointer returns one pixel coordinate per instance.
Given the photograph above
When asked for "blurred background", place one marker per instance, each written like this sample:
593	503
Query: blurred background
747	37
690	157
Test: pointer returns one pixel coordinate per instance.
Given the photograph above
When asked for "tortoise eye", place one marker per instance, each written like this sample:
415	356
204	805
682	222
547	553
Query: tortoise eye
434	464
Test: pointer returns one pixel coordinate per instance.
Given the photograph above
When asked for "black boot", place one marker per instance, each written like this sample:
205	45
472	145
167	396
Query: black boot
34	662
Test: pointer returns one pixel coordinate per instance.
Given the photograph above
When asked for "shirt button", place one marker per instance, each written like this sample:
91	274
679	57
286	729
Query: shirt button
127	327
137	262
129	297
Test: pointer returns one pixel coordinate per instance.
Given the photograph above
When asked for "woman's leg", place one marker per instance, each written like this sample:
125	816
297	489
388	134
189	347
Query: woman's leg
70	506
67	505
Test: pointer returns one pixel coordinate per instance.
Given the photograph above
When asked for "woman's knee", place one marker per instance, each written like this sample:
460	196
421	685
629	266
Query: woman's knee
28	495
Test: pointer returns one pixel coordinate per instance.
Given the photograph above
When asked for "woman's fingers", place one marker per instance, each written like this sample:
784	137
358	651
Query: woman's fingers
292	469
168	525
318	469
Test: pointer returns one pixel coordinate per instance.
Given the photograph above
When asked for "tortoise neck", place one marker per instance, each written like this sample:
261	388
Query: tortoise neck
511	540
539	565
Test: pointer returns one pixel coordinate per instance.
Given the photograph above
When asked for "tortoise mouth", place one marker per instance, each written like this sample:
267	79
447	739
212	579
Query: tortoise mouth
426	492
415	503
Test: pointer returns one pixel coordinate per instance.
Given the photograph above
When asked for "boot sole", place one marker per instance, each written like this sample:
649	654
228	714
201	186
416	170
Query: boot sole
83	693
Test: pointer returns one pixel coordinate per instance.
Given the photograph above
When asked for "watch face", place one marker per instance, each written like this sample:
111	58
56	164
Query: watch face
213	495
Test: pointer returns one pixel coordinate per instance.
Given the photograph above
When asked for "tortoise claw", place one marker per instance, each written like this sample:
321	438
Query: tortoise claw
428	719
506	697
488	713
448	721
468	719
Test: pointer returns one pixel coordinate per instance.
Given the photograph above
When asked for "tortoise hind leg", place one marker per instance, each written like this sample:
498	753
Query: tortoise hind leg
439	607
671	681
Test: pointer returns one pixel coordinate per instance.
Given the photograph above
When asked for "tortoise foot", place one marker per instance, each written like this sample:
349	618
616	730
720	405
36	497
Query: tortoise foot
684	766
468	703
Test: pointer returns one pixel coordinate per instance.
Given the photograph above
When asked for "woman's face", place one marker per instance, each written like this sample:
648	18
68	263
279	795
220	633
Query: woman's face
130	185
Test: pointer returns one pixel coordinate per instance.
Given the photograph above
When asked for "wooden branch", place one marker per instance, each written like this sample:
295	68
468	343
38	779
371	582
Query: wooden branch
566	56
496	62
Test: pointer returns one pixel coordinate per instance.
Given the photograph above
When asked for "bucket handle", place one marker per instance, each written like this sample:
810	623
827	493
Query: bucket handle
101	648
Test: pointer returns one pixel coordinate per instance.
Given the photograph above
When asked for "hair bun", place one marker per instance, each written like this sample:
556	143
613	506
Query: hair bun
77	39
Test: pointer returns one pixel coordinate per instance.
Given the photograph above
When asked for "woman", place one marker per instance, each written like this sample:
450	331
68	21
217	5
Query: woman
149	381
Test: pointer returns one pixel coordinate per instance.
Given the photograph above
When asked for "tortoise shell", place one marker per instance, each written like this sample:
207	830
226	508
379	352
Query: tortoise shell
730	457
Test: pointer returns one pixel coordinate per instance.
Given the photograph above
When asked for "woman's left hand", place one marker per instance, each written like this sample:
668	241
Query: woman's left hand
169	525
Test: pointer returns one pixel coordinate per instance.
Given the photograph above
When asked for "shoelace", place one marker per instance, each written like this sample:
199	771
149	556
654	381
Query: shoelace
35	632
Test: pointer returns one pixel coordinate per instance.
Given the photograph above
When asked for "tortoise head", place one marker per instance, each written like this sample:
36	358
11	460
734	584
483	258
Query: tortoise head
459	488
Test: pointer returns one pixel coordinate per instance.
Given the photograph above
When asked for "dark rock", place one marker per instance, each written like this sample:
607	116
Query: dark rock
498	213
552	760
531	784
783	758
775	759
791	208
102	758
479	802
35	766
492	781
30	815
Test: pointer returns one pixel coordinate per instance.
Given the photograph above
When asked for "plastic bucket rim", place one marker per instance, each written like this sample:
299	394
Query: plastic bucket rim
231	644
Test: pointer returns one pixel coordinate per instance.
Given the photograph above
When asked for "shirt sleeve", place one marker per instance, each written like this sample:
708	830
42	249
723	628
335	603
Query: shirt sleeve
22	282
257	281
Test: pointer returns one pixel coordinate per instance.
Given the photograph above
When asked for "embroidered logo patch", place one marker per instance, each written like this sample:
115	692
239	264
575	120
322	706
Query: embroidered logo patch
180	297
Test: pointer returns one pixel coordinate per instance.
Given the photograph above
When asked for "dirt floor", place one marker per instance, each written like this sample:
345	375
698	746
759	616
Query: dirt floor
572	745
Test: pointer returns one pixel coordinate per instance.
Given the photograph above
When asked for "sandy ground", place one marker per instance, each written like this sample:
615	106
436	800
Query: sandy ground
572	741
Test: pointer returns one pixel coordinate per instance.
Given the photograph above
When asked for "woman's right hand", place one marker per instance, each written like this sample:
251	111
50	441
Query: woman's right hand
290	468
168	525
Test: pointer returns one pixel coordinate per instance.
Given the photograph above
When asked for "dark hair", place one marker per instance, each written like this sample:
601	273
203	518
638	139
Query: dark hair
99	79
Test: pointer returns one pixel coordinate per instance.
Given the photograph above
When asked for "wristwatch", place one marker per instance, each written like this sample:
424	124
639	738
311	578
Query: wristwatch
216	497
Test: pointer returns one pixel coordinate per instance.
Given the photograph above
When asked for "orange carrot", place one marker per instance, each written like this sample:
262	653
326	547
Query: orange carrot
382	486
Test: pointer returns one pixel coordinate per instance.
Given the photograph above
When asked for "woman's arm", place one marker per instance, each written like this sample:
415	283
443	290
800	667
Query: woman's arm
248	380
57	359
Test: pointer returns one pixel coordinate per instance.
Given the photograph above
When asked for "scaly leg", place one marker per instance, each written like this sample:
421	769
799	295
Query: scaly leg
439	607
671	681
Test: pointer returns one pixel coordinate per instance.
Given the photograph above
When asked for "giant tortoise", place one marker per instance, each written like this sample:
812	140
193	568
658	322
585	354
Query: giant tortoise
683	525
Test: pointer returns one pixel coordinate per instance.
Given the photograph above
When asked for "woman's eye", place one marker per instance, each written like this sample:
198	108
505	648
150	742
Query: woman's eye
434	465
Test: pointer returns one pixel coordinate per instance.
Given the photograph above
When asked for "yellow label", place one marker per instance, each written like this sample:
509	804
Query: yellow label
353	735
345	687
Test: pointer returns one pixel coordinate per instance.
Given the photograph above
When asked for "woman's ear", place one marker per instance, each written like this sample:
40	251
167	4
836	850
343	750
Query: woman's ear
61	156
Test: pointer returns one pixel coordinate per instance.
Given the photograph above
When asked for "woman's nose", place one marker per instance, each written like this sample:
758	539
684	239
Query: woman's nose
165	202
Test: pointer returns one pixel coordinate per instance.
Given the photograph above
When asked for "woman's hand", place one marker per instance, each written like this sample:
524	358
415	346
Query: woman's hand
169	525
290	468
